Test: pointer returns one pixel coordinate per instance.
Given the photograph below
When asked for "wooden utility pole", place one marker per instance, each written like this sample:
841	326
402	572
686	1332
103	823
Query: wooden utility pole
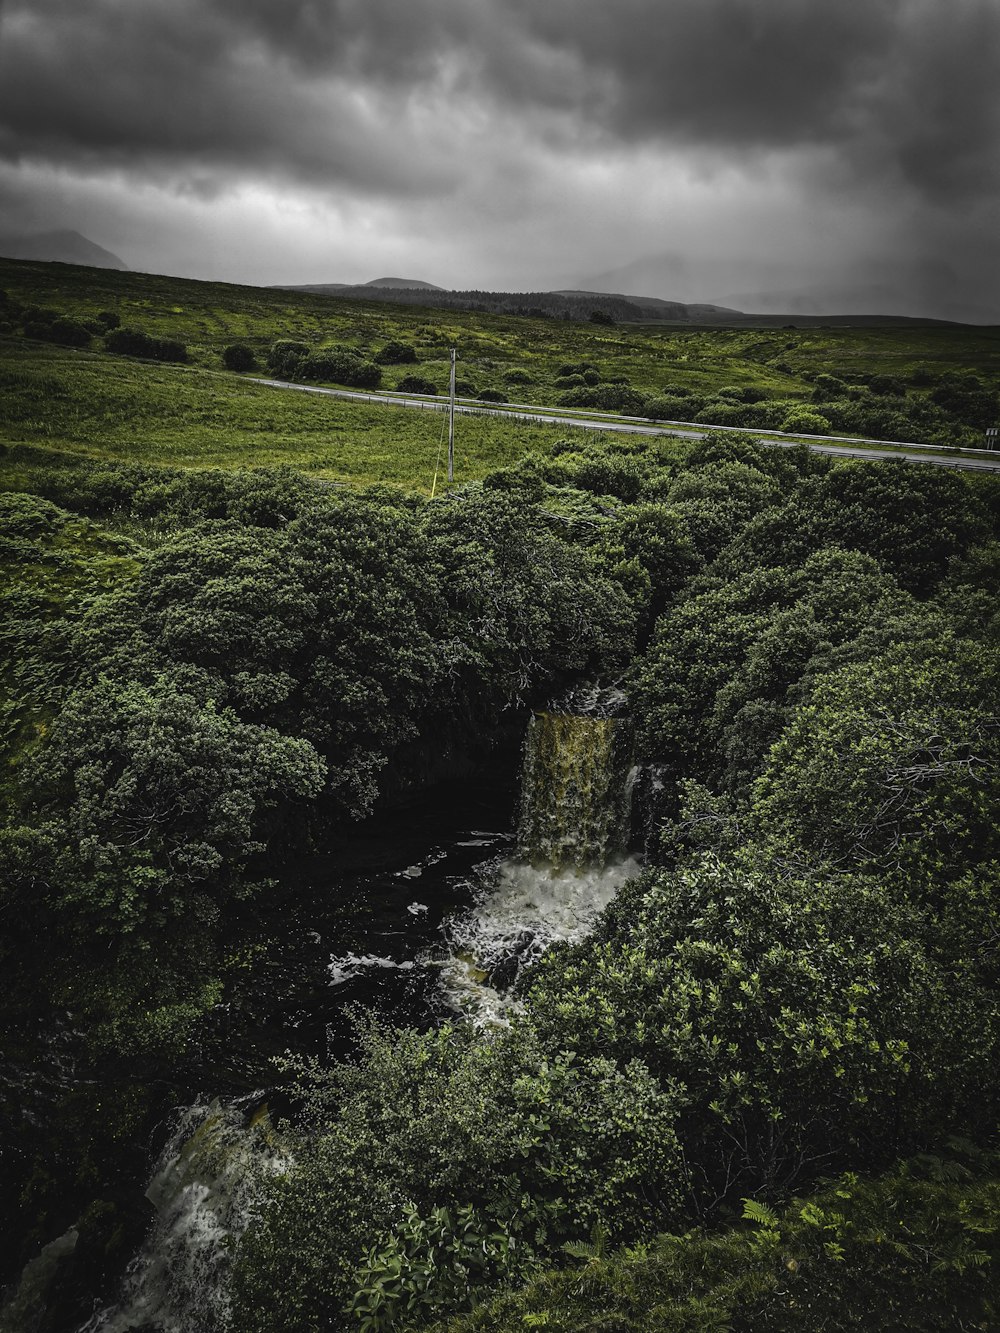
451	420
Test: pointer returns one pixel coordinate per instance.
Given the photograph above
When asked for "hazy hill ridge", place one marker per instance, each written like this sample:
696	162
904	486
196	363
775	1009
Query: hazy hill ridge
64	247
580	305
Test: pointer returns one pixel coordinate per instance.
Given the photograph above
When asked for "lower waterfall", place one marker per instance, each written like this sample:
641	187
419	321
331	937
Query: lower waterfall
177	1281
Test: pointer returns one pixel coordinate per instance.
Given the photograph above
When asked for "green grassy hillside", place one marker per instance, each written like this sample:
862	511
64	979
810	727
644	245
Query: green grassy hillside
885	381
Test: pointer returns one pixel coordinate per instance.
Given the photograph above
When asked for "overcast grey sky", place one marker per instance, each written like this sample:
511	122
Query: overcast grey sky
690	149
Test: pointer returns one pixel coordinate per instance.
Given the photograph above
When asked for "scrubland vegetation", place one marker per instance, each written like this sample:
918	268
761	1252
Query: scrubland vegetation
763	1093
935	384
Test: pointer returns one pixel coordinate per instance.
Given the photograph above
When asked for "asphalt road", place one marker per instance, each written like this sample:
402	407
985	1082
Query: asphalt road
821	444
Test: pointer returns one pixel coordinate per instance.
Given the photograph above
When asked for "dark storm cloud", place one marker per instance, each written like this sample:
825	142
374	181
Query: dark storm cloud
333	90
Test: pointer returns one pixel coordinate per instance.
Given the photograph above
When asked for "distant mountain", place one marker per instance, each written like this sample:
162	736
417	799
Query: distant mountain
65	247
404	284
359	288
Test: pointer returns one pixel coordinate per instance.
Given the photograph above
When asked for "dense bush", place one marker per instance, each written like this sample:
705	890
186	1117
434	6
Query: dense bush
339	365
238	356
727	665
807	1019
48	326
915	1251
492	396
284	356
966	398
894	762
606	398
666	407
914	520
801	421
395	354
542	1147
416	384
134	342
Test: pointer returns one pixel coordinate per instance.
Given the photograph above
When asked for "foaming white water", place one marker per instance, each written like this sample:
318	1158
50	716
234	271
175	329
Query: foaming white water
200	1190
519	911
343	969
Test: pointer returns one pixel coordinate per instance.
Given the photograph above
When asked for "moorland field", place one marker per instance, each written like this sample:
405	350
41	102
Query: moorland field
85	403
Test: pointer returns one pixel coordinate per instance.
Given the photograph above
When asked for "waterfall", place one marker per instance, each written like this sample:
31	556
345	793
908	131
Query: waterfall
576	790
200	1189
573	835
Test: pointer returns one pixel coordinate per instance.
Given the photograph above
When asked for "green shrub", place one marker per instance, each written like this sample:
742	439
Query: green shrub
284	356
395	354
416	384
606	398
801	421
62	330
135	342
339	365
238	356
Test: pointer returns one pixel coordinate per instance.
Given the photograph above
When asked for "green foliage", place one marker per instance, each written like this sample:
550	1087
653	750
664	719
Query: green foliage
910	1251
526	604
524	1150
801	421
285	355
416	384
139	813
338	365
913	520
717	502
52	564
136	342
893	763
805	1022
395	354
963	395
51	327
431	1266
324	630
606	398
238	356
728	665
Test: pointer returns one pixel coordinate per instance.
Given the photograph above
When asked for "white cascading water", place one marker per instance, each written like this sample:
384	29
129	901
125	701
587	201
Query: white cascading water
177	1281
576	796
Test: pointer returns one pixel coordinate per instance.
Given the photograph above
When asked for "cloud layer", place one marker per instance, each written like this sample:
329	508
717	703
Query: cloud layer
508	140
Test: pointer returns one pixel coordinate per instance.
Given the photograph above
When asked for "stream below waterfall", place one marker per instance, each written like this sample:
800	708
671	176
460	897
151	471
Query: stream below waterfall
432	915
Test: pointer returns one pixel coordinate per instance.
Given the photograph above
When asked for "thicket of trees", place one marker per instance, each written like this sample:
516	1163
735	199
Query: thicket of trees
803	986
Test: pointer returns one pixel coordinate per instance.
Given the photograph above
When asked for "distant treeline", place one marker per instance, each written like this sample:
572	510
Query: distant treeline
537	305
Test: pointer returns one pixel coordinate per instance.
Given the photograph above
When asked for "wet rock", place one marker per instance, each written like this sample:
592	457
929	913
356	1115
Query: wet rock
505	973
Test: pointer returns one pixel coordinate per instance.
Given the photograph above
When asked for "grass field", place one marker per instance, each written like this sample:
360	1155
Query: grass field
69	406
91	404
